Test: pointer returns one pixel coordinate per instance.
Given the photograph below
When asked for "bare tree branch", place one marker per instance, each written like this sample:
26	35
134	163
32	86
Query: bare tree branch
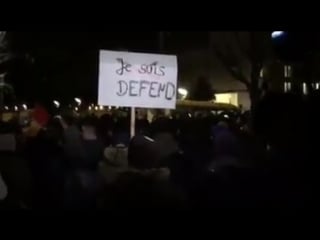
246	52
257	52
234	73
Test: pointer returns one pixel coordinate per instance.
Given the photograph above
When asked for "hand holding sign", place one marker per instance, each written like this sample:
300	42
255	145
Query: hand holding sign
137	80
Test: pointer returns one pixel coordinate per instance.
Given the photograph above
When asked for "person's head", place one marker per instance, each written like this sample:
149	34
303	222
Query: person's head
106	121
142	153
54	129
223	124
68	119
32	129
89	125
162	125
40	115
105	126
280	120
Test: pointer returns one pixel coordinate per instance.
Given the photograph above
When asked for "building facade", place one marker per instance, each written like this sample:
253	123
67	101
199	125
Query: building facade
291	77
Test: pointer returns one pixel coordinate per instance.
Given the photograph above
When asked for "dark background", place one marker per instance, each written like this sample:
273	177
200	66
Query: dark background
63	65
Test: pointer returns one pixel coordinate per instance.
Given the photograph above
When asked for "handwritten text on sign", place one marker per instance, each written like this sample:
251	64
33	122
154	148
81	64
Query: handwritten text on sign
137	79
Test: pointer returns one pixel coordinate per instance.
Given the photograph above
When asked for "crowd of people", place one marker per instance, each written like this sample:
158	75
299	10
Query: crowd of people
262	159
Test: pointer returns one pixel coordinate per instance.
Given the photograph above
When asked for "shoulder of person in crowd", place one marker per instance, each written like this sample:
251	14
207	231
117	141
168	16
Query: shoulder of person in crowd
157	174
31	130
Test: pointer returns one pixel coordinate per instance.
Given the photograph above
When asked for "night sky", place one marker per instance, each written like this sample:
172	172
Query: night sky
63	65
294	46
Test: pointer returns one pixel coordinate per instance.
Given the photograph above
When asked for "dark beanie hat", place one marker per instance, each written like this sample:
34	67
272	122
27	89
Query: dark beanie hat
142	153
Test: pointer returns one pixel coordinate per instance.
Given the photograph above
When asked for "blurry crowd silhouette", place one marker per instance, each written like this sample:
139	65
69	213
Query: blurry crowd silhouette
264	159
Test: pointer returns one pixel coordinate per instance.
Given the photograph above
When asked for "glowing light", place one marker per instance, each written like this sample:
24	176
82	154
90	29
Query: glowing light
78	101
16	108
225	116
6	108
149	139
24	106
89	108
183	92
101	108
230	98
56	103
304	88
287	86
76	109
277	34
96	108
189	115
109	107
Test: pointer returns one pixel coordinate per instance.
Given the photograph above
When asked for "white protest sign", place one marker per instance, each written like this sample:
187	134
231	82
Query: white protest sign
143	80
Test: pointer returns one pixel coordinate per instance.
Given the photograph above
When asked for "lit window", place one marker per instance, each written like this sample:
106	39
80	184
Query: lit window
285	74
287	71
287	86
304	88
261	73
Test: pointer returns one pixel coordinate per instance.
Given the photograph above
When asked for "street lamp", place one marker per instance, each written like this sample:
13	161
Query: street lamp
277	34
78	101
56	103
183	92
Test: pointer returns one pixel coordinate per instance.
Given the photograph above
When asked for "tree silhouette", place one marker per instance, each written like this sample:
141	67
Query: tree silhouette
241	51
201	90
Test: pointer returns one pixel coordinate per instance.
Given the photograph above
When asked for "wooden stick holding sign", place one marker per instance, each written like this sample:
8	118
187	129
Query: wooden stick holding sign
132	122
134	80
